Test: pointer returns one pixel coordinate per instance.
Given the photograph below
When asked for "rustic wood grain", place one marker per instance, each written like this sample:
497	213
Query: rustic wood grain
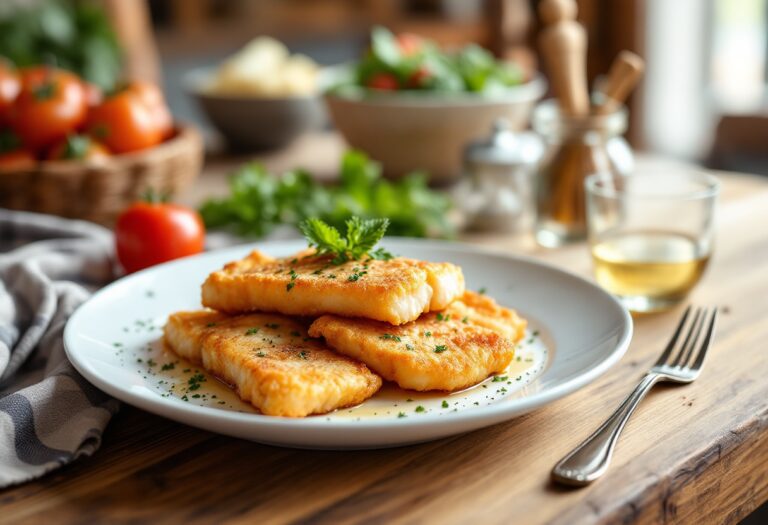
696	453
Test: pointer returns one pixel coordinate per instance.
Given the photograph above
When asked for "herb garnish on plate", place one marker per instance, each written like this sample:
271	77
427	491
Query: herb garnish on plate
361	236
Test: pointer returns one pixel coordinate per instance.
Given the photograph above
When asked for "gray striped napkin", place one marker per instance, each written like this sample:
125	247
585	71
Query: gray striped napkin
49	415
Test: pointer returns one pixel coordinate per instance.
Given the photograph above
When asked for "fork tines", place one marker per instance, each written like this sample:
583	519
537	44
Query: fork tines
683	355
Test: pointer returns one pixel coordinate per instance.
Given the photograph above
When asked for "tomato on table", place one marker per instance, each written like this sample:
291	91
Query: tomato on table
50	104
78	147
133	118
149	233
10	85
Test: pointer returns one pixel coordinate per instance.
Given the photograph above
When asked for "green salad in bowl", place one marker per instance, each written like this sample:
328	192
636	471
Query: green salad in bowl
414	106
410	62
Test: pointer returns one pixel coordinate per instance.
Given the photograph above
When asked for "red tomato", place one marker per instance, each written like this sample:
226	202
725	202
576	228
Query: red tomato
133	118
153	97
385	81
12	157
17	160
50	105
10	85
419	78
151	233
93	94
409	44
78	147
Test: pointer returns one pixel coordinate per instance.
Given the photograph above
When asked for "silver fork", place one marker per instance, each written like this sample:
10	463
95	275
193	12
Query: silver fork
678	364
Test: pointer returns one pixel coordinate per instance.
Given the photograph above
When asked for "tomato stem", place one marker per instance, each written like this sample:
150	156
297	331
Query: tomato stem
153	196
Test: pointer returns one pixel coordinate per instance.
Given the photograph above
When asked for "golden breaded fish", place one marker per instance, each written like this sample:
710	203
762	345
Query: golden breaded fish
271	362
394	291
471	339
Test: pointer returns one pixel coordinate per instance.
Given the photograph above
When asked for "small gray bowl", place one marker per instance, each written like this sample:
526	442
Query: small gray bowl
251	123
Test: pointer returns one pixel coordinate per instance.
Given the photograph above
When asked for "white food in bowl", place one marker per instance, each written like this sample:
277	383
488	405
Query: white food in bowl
265	68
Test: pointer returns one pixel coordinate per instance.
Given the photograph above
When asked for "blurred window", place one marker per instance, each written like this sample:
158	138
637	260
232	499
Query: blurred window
738	64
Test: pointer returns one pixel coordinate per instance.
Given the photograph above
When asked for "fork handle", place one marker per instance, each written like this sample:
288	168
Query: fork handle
590	459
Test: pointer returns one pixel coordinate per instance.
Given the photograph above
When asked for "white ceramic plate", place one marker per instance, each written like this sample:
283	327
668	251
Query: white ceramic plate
576	333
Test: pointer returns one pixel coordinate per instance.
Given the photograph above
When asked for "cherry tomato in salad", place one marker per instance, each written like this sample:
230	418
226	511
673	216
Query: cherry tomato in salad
384	81
50	105
149	233
409	44
419	78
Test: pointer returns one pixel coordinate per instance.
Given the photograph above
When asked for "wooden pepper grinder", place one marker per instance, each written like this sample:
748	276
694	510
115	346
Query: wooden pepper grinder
563	42
625	73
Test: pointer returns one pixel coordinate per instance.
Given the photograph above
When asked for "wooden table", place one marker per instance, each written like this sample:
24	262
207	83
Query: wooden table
696	453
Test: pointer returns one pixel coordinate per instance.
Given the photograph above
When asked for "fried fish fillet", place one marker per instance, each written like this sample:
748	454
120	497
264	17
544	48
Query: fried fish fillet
394	291
271	362
450	350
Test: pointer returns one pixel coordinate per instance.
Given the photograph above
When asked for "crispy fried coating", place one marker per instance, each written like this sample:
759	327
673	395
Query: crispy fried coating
450	350
271	362
395	291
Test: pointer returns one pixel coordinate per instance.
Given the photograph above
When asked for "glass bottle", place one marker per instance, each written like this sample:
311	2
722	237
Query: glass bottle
575	148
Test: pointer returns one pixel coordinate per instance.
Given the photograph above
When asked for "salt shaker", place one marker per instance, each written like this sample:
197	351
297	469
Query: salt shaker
497	191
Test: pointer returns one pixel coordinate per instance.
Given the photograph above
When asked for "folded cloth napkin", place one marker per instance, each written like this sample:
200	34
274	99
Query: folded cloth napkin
49	415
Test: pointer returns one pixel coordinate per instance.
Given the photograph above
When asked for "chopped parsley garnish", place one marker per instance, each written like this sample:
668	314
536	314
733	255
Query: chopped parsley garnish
273	326
444	404
303	355
196	381
260	354
390	337
401	414
441	317
420	409
168	366
151	362
361	236
499	379
427	334
482	290
289	286
440	348
252	331
465	319
408	347
535	333
210	325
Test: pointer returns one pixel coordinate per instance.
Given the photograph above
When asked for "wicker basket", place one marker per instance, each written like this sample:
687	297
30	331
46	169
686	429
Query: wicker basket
99	191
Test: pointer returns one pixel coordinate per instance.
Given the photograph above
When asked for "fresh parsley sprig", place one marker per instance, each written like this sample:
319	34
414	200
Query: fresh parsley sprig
361	236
